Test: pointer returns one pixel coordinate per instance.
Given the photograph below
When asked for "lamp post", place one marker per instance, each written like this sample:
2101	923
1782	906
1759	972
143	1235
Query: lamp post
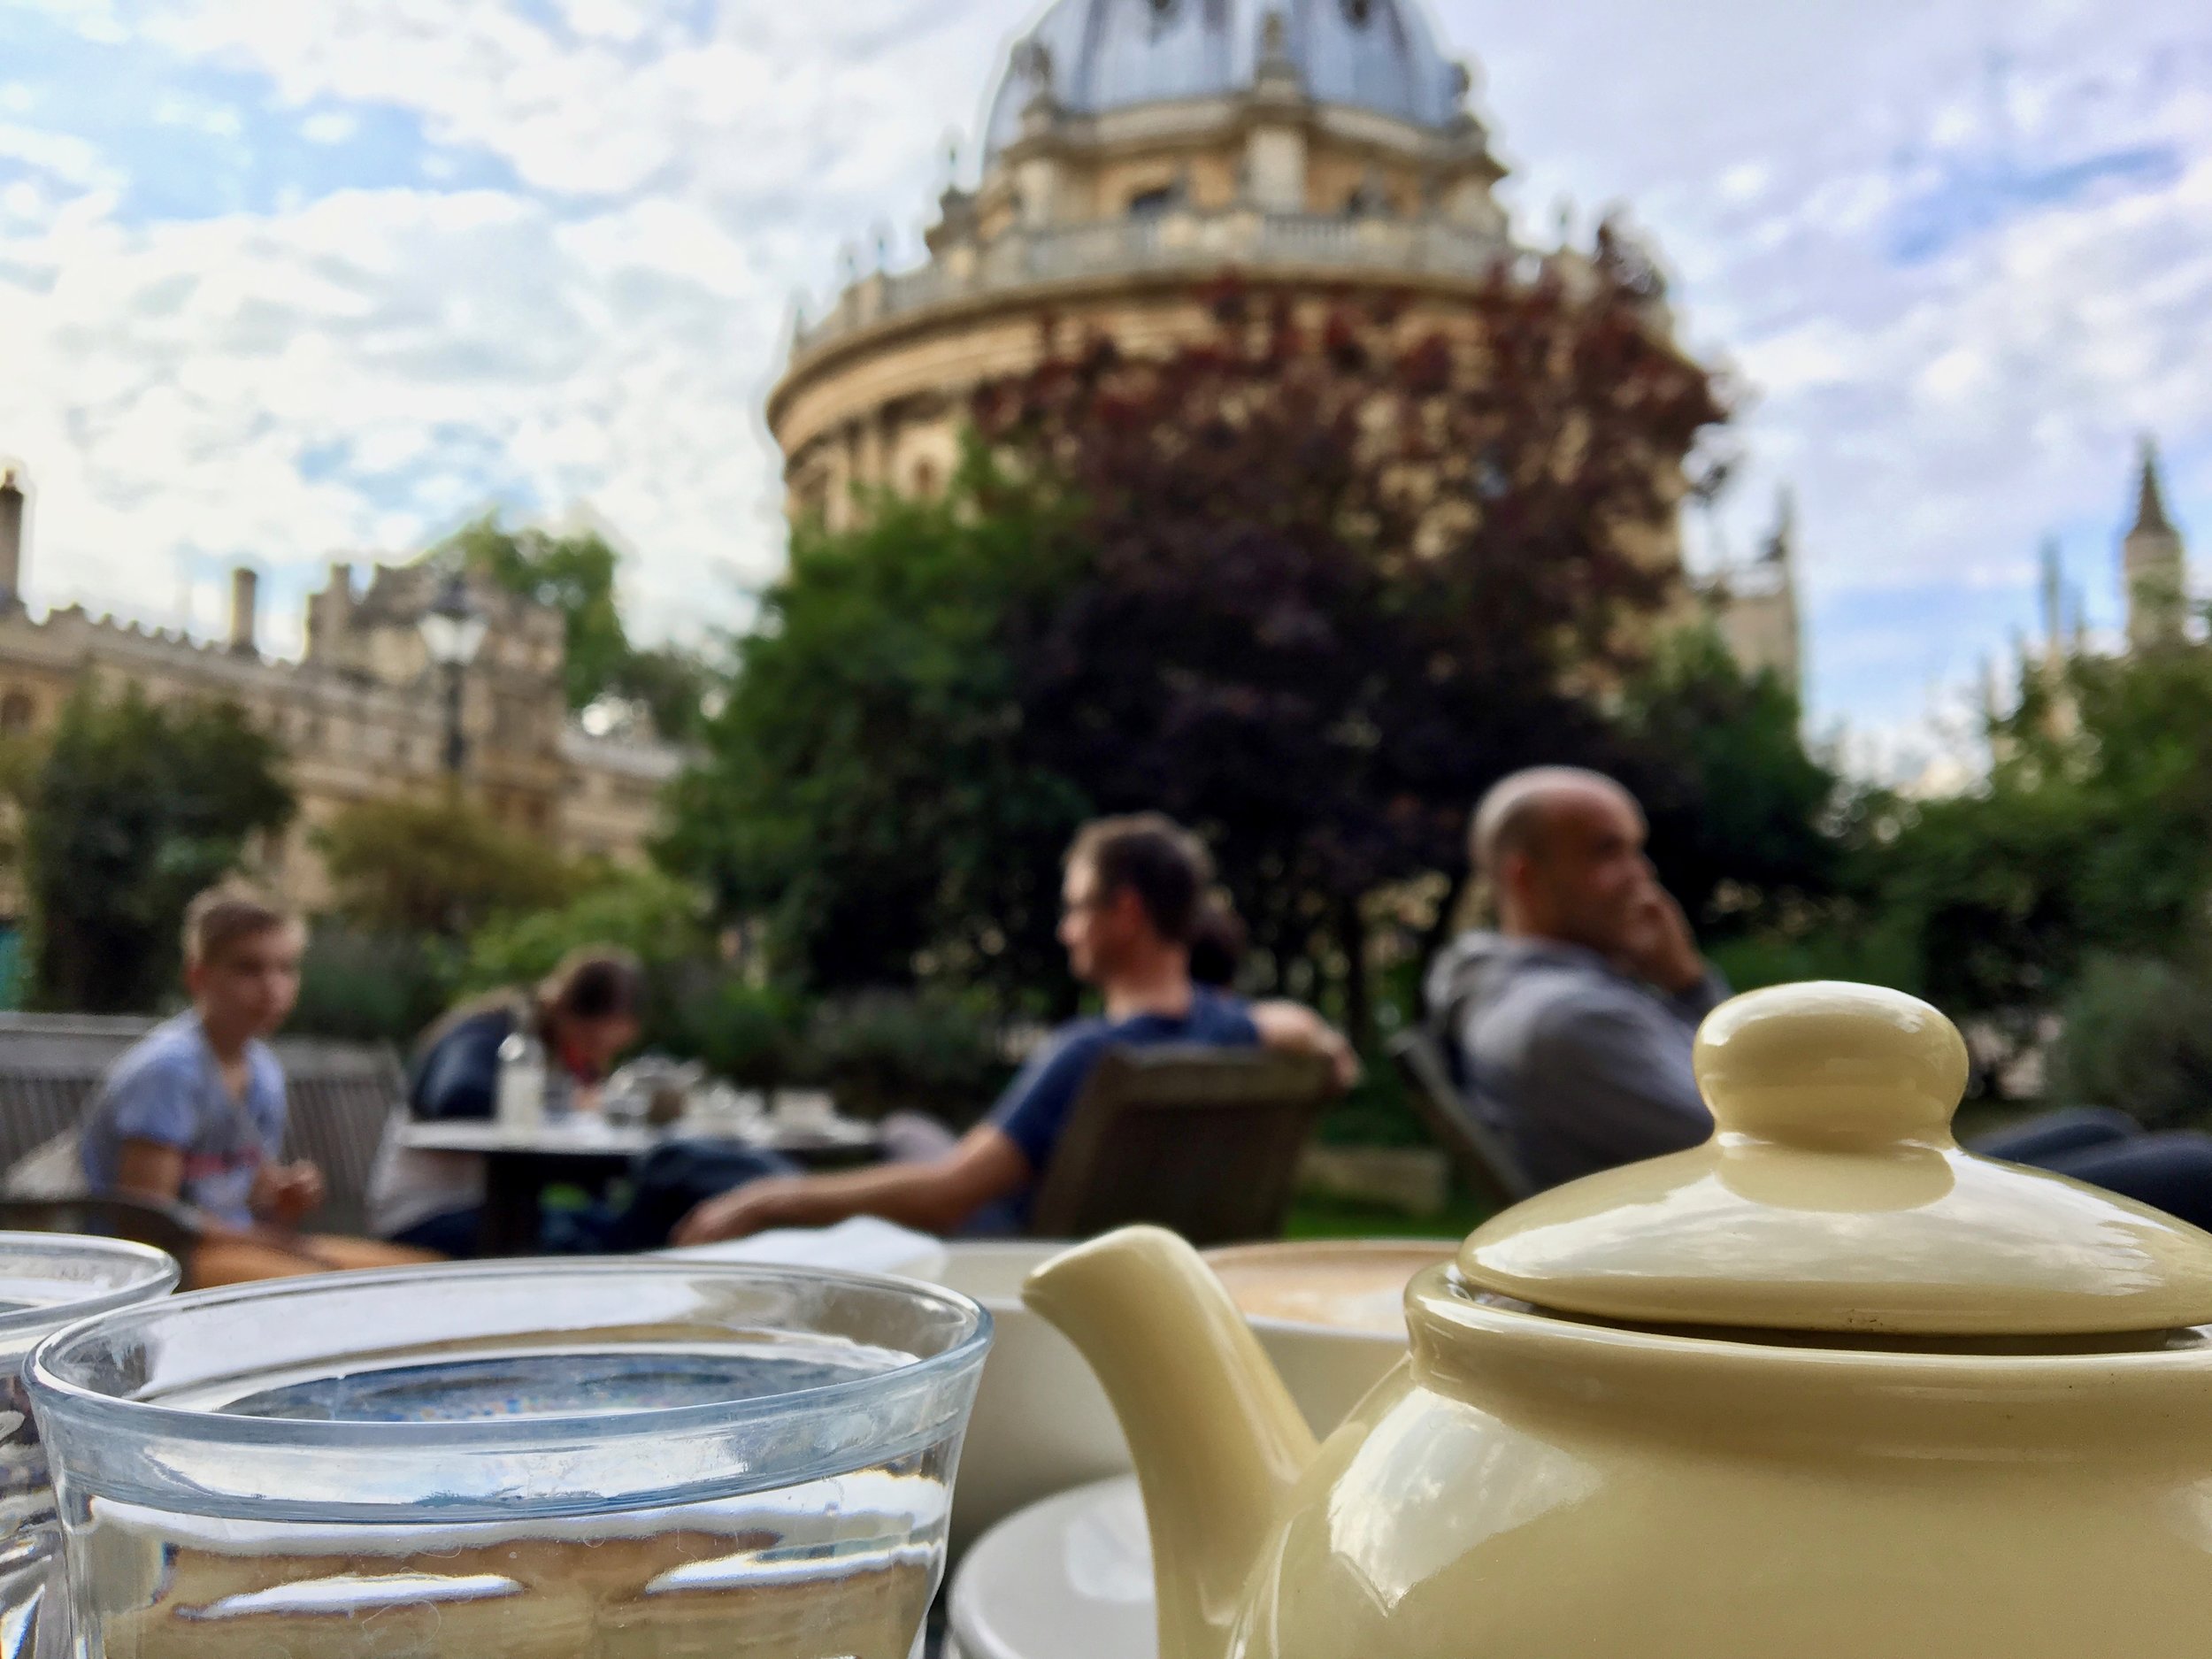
453	631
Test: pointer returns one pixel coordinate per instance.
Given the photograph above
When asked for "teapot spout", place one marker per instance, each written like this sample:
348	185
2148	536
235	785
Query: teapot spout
1217	1439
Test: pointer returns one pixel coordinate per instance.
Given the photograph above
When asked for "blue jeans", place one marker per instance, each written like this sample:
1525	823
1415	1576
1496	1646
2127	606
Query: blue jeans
454	1233
668	1181
2170	1171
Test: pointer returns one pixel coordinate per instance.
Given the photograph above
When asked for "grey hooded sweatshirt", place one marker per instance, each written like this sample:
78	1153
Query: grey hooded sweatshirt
1577	1066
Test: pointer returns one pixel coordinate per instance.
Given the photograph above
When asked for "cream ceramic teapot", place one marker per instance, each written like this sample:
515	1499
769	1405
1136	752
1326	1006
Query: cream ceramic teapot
1825	1386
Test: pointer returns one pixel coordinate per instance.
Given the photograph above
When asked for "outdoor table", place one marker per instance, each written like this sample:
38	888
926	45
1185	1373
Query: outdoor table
519	1163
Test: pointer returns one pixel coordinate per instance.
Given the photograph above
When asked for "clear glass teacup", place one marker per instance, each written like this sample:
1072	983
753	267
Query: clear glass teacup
47	1280
626	1460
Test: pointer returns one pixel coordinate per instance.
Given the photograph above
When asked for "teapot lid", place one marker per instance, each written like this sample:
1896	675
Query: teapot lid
1833	1197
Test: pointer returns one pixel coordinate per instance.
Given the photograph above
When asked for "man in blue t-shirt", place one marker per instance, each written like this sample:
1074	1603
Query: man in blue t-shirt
1134	891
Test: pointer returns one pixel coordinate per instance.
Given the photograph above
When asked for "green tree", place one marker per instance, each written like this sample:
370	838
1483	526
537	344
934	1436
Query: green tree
2093	835
1745	820
136	808
656	917
674	686
436	867
864	792
1352	564
2089	842
575	575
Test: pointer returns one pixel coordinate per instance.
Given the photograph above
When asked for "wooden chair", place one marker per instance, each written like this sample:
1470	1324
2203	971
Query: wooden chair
1481	1157
1203	1140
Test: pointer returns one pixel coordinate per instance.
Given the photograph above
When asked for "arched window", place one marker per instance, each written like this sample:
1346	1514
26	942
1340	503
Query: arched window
17	712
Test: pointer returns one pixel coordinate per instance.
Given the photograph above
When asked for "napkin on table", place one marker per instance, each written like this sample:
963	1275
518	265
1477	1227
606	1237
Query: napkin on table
862	1244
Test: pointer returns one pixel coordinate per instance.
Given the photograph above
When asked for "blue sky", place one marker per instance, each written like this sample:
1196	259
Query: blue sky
282	283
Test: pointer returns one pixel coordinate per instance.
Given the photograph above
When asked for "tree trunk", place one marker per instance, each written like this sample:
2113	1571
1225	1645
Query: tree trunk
1439	931
1351	935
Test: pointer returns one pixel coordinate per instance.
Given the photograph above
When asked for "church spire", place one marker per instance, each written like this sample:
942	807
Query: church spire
2155	565
1780	547
2150	505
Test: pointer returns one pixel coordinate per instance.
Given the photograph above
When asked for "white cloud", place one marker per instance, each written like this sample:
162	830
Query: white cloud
329	127
599	317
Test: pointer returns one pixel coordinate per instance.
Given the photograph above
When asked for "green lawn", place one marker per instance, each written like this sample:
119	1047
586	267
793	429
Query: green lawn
1313	1217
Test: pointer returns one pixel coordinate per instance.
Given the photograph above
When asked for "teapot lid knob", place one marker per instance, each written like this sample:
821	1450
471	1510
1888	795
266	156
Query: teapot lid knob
1832	1066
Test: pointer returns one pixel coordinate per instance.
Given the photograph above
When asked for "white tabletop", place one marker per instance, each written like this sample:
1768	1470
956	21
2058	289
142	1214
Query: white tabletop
1068	1577
588	1134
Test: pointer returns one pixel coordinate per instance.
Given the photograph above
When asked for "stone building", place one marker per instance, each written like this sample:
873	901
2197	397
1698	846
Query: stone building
1754	607
1136	152
363	715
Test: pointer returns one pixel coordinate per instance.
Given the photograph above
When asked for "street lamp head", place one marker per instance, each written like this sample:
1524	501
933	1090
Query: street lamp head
453	628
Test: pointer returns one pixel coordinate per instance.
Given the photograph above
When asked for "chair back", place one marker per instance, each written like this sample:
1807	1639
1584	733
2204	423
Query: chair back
338	1096
1479	1152
50	1066
1204	1140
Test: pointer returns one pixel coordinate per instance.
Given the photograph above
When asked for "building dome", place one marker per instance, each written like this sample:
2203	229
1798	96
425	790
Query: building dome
1096	56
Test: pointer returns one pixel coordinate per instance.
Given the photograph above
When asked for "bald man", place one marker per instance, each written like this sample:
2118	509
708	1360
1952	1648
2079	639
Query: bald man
1571	1026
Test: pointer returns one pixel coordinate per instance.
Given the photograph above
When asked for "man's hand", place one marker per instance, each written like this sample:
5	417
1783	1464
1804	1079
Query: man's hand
1343	1059
739	1213
285	1194
1657	945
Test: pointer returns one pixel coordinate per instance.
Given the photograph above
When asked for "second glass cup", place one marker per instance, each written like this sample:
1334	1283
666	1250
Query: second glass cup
46	1281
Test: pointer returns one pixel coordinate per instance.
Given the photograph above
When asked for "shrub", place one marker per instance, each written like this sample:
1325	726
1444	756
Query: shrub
752	1034
443	866
2138	1035
373	987
641	911
881	1052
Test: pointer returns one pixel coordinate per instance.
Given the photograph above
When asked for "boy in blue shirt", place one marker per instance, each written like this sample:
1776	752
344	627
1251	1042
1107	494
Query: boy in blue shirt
193	1113
1130	901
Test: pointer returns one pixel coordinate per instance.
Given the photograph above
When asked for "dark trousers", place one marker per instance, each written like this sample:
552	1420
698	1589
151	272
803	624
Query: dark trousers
668	1181
455	1234
2170	1171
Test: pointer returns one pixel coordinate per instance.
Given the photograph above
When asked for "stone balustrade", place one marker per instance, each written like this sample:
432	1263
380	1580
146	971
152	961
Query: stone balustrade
1185	242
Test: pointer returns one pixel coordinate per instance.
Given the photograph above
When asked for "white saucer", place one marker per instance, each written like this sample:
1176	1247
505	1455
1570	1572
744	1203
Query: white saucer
1070	1577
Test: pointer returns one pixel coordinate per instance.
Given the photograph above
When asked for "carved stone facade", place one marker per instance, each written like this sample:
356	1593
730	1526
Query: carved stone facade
1135	153
363	715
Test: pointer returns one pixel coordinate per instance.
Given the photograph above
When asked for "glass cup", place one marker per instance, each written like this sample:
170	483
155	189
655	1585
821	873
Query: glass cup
48	1280
624	1459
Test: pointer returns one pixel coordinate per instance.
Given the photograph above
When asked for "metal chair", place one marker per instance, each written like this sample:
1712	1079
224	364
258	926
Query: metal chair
1203	1140
165	1227
1482	1158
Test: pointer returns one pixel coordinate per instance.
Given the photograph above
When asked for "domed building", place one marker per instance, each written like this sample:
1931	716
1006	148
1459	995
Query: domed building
1134	152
